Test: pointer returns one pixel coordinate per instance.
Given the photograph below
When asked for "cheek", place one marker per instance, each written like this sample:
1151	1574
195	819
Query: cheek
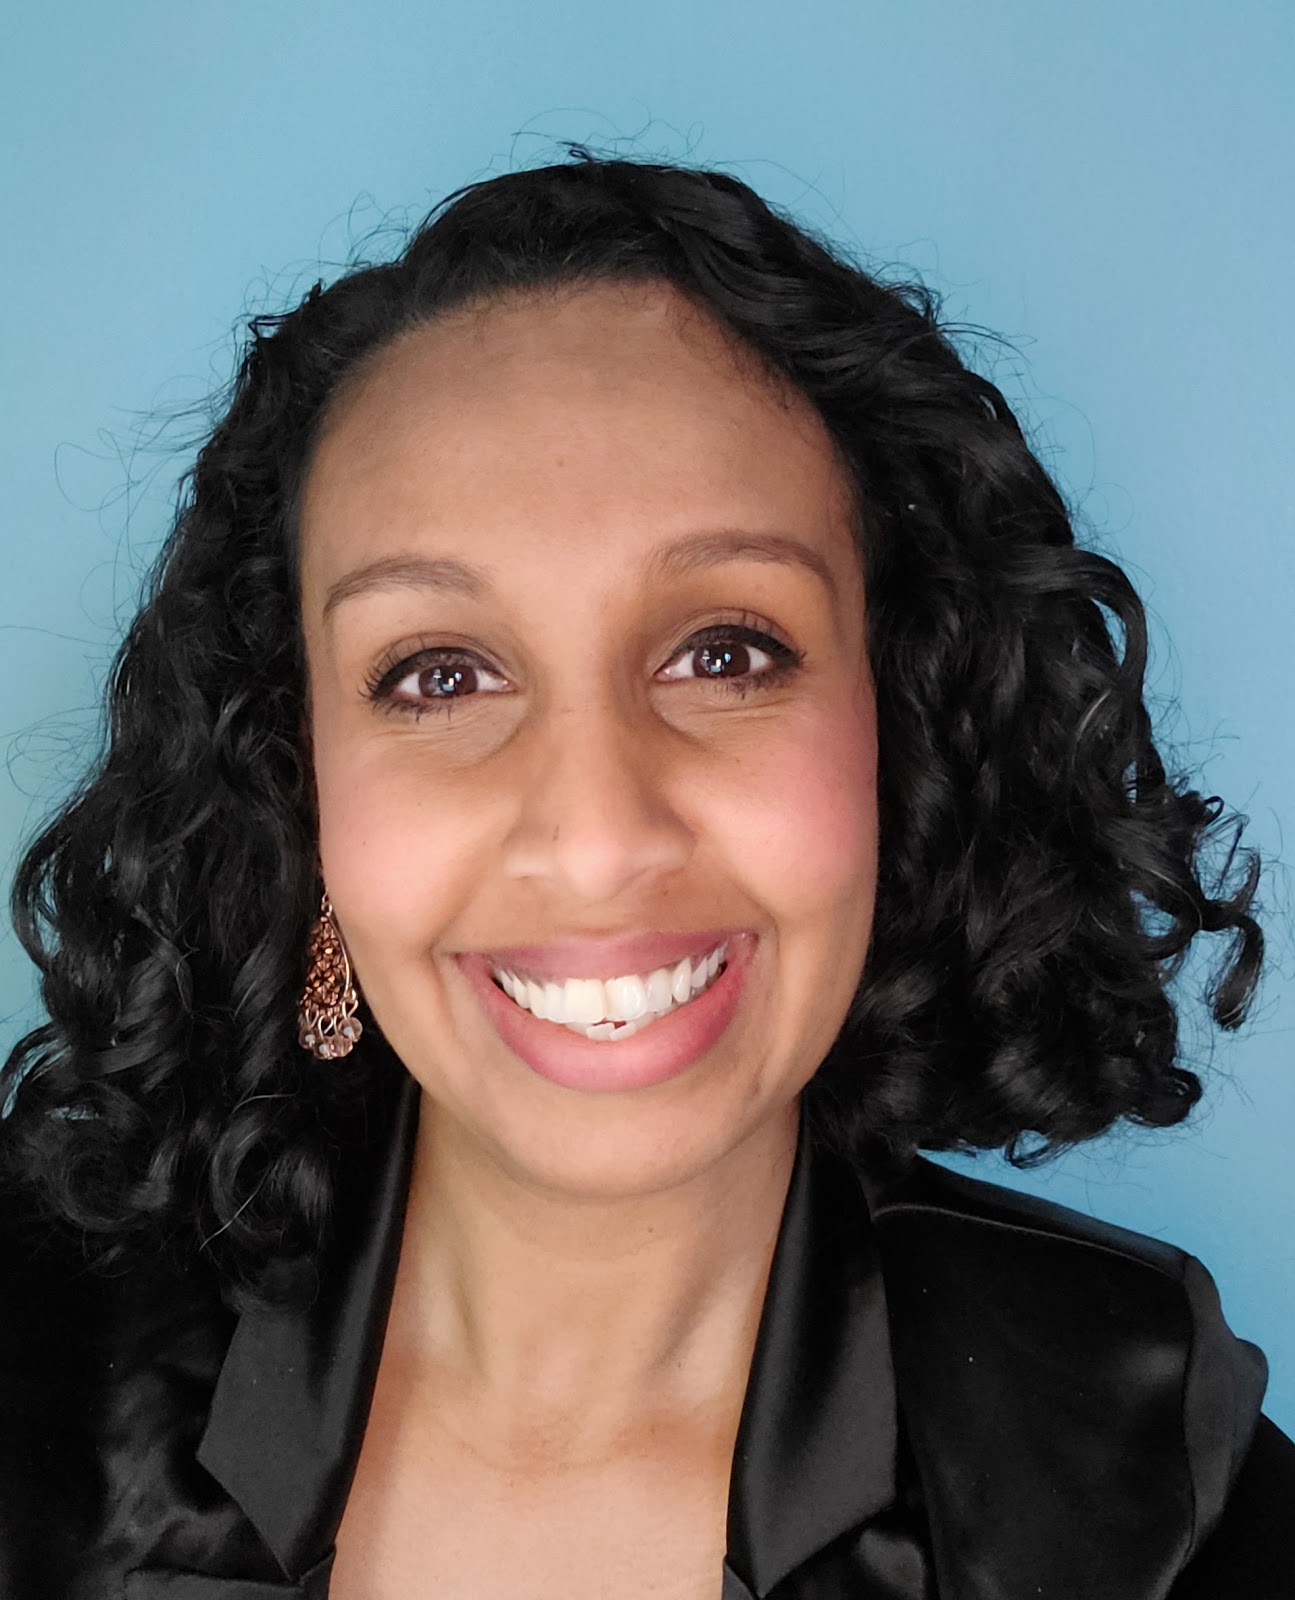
804	816
399	853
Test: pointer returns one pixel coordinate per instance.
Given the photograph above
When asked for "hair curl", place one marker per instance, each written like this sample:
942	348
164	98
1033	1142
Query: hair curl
1012	997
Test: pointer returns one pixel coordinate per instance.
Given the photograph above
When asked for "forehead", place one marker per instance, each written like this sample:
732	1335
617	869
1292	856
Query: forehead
617	408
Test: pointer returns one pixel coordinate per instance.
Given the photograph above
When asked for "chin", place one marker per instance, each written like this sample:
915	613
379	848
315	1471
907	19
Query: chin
613	1147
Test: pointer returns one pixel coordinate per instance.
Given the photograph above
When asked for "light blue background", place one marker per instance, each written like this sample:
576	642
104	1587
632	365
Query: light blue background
1109	184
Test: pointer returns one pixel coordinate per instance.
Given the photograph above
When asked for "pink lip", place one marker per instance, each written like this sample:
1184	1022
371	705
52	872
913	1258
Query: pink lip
662	1050
606	958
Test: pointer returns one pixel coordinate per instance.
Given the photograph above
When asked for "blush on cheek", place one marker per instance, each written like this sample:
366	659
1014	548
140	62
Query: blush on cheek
808	817
394	854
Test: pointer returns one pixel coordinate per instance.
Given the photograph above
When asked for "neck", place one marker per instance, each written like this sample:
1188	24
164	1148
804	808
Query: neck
598	1312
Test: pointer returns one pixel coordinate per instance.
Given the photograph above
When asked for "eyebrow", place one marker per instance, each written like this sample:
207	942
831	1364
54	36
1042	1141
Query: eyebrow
697	551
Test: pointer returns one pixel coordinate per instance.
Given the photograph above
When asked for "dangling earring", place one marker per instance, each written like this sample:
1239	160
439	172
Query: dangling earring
327	1025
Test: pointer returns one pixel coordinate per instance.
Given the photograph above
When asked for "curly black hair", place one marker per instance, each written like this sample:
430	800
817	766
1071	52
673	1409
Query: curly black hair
1014	994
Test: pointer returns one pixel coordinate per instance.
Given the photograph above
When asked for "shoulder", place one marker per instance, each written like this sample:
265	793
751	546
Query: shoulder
50	1373
1047	1359
1072	1278
52	1303
925	1196
1099	1295
1063	1271
95	1368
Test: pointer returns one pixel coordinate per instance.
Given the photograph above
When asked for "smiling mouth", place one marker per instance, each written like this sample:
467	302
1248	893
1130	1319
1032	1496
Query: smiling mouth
614	1008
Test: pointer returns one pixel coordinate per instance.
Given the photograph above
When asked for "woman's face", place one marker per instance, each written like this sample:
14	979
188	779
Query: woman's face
515	526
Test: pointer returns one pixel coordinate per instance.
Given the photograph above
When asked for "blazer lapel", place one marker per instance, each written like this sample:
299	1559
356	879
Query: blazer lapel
289	1410
815	1452
161	1584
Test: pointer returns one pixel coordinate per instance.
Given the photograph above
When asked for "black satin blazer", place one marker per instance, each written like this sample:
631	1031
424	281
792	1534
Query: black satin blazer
956	1392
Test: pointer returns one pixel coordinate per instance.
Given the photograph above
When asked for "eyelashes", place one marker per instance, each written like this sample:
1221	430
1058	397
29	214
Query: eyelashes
445	676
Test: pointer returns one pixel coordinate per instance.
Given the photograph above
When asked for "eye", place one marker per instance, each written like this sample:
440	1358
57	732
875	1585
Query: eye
733	657
434	680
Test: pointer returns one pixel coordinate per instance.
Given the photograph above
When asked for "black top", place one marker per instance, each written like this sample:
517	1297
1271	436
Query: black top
957	1391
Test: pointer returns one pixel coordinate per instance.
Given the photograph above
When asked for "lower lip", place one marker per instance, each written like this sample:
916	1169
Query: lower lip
661	1051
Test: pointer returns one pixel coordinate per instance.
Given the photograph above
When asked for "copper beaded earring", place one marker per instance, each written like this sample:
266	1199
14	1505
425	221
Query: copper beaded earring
327	1025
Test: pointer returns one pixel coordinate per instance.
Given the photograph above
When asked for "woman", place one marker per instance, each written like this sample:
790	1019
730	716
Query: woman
619	751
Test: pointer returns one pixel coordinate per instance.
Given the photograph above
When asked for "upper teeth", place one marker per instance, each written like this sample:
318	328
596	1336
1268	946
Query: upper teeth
583	1002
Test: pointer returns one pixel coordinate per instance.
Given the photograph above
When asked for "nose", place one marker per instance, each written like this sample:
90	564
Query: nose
595	820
